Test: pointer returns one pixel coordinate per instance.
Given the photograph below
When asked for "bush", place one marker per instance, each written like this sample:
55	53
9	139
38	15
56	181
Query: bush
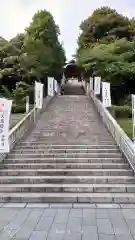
18	108
123	111
128	100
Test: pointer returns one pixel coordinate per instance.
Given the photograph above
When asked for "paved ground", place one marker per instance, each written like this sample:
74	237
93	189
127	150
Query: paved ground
67	222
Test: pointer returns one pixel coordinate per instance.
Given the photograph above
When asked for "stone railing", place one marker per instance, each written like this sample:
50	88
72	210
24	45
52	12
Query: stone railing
123	141
25	125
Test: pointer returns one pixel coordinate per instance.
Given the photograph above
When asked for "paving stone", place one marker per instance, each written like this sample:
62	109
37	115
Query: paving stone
121	230
115	214
75	213
32	220
102	213
74	225
20	217
50	212
87	237
14	205
62	205
128	213
89	217
23	234
57	229
9	231
1	205
106	237
55	237
120	237
89	230
6	215
38	235
62	216
44	224
131	225
72	236
46	220
6	235
105	226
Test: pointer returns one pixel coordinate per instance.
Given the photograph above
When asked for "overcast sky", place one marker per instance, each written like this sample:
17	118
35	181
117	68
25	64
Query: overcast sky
15	16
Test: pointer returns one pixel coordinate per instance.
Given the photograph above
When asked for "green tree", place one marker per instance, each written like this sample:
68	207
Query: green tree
45	54
104	25
106	47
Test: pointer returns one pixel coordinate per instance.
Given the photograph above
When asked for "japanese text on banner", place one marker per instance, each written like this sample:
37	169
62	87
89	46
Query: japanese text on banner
5	110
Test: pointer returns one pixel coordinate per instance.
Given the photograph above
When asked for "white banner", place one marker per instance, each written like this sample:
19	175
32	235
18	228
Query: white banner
91	84
50	86
106	94
133	115
27	104
5	111
87	87
55	86
38	95
97	83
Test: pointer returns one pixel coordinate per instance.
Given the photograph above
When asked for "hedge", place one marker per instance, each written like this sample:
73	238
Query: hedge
21	108
18	108
124	111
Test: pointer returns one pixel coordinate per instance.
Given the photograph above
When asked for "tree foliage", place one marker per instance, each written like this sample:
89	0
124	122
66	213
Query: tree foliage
45	54
32	55
106	47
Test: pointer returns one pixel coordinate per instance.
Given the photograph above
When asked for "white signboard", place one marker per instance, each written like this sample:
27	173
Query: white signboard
106	94
5	111
97	83
55	86
133	107
27	104
50	86
133	115
91	84
87	87
38	95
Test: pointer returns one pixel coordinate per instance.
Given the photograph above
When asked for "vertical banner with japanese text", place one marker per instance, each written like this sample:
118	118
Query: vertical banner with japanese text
91	84
50	86
97	82
38	95
55	86
27	104
5	111
133	115
106	94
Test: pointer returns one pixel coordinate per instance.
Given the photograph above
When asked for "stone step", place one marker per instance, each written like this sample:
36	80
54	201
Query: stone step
59	141
67	145
68	197
64	165
65	160
67	172
69	151
63	147
70	188
68	155
56	136
67	179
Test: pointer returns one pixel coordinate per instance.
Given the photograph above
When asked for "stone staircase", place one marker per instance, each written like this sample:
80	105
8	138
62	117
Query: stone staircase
73	88
69	157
